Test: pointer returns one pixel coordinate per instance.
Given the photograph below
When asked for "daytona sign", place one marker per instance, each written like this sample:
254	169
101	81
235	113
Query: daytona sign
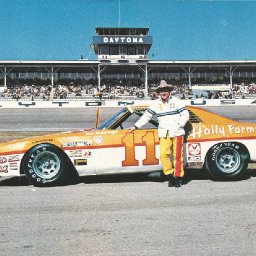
122	40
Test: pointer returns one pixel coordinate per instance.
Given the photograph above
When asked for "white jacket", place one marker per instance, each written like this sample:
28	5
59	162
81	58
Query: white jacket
172	117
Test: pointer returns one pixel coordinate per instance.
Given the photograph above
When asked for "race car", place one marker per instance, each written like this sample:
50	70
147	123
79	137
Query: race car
220	145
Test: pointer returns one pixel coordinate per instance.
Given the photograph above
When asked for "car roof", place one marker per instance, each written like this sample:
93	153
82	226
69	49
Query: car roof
197	114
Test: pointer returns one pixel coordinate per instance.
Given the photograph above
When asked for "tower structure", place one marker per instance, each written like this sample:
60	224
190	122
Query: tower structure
122	44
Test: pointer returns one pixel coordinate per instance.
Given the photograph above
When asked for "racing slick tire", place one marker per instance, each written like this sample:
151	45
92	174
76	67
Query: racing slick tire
227	161
45	165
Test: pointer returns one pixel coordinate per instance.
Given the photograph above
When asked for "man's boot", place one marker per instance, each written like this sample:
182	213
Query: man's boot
177	182
171	181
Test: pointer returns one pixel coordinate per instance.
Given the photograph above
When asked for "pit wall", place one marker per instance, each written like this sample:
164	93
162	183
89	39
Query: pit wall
118	103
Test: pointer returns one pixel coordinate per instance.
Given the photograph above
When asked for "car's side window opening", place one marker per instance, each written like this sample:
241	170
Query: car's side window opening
125	119
133	118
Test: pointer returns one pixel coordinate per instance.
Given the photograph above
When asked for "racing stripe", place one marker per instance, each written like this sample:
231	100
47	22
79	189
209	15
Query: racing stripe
167	113
181	109
152	112
178	154
177	111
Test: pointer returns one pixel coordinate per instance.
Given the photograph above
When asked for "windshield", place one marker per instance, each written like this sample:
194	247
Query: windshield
124	119
113	122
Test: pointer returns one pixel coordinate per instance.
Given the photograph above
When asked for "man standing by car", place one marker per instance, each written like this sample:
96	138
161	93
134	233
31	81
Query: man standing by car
172	117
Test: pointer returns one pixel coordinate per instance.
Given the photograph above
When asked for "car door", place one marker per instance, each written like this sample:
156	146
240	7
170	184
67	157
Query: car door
125	151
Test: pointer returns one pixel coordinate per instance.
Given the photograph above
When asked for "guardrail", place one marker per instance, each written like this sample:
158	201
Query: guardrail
119	103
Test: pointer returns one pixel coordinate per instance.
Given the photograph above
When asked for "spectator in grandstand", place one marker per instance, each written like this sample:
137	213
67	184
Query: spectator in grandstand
140	94
172	117
100	93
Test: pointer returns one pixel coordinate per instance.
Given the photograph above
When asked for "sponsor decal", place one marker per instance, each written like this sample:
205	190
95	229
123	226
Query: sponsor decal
109	132
79	153
194	152
4	168
90	133
77	143
83	143
13	158
3	160
87	153
195	164
98	140
74	153
194	158
13	166
194	149
220	130
80	162
41	141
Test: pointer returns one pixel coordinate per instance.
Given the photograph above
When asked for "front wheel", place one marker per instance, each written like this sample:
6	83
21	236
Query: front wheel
44	164
227	160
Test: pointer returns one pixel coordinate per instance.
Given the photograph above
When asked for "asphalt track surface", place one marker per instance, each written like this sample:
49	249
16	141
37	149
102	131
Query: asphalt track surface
64	119
125	214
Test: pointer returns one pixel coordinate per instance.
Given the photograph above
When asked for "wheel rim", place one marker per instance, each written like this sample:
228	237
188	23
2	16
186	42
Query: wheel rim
46	165
228	160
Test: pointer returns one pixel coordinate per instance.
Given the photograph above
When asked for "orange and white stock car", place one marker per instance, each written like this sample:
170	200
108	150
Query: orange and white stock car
215	143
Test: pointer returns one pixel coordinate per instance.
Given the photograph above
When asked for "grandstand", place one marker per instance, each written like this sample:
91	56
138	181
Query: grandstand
123	69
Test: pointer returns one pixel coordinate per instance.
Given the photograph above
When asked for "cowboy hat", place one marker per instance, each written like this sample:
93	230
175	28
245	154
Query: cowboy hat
164	86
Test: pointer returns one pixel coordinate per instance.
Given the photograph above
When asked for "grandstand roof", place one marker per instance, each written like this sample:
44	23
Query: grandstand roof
204	62
162	64
2	62
5	62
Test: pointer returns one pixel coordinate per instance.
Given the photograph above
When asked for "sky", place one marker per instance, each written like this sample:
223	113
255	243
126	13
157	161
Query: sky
181	30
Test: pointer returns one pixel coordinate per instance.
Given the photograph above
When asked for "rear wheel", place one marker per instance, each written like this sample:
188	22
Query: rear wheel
44	164
228	160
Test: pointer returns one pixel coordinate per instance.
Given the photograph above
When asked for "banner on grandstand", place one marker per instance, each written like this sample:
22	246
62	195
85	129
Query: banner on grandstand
116	103
217	87
225	102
